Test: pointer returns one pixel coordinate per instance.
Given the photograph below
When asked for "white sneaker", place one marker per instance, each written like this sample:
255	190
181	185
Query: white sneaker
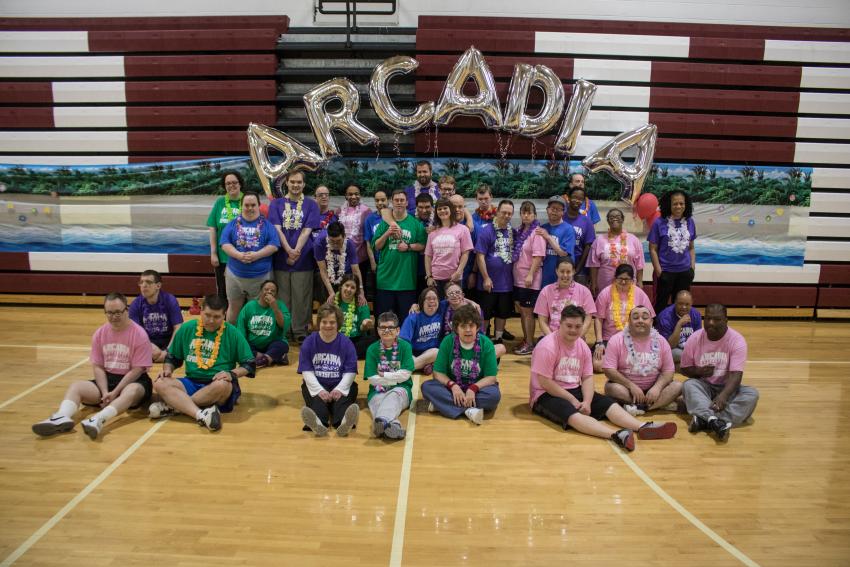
672	406
633	410
210	418
92	427
475	415
159	409
312	421
349	420
431	408
53	425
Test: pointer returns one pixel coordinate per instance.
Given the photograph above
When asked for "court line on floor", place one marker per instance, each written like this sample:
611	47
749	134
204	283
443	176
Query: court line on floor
404	483
797	361
42	383
48	525
734	551
49	347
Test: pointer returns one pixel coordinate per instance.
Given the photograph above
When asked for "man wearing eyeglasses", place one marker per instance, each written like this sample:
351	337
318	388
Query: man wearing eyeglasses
157	312
120	357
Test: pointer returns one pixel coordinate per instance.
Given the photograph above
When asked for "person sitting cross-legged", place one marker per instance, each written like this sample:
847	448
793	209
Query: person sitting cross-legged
464	380
639	367
216	356
264	322
714	360
422	328
120	358
389	367
562	389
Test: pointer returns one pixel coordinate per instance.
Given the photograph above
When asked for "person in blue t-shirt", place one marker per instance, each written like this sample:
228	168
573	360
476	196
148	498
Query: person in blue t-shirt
588	207
560	238
677	322
422	329
157	312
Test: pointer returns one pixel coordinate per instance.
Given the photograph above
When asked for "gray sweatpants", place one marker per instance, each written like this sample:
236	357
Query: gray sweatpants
389	405
699	394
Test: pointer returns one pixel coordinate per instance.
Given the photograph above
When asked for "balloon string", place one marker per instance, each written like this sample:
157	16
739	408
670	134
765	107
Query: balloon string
396	146
427	138
436	136
533	148
377	150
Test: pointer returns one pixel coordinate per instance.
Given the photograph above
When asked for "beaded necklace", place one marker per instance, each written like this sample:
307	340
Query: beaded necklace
619	254
475	366
647	366
292	220
325	219
242	234
504	245
620	315
678	238
200	361
521	237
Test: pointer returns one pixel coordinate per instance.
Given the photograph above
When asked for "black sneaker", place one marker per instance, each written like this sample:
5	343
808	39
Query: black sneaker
625	439
285	360
508	336
499	341
721	427
697	424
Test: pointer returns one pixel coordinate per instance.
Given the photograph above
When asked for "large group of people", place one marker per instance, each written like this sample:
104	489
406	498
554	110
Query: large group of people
443	282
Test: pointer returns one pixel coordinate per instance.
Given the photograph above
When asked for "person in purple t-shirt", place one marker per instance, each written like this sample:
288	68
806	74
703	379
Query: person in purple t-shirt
295	217
494	248
585	233
328	365
336	256
678	322
157	312
671	247
423	185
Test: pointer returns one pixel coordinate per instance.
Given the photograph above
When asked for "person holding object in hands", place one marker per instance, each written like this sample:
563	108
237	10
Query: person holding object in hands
447	250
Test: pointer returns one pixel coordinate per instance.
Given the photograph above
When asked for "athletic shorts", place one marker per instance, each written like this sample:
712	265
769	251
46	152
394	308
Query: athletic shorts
112	380
193	386
525	296
497	304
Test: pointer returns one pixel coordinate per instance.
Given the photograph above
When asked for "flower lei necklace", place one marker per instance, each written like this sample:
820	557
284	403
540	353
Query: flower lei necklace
619	254
348	316
326	219
393	363
336	268
488	214
242	234
475	367
232	210
521	237
504	245
431	188
621	316
292	220
205	364
646	366
678	238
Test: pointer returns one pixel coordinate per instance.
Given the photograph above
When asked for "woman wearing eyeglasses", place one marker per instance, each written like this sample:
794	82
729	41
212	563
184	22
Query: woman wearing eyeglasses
389	366
225	209
357	320
611	249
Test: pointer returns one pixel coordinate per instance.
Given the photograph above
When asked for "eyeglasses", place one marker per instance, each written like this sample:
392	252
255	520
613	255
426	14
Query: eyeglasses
385	330
624	280
232	184
454	293
115	313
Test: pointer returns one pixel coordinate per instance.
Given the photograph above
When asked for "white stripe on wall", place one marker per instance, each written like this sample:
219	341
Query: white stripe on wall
826	128
99	91
56	141
734	273
830	227
44	42
830	203
811	152
825	78
827	252
807	51
64	160
830	178
611	44
90	117
824	103
111	214
60	67
614	121
612	70
627	97
97	262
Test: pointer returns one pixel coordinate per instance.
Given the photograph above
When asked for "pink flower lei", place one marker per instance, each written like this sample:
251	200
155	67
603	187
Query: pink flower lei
393	363
475	367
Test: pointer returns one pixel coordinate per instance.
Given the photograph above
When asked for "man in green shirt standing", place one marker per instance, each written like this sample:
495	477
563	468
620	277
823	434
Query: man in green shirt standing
400	243
216	356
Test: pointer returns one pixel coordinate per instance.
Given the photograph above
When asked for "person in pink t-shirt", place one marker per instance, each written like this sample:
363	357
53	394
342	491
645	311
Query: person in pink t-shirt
447	250
611	249
639	366
613	306
713	360
554	297
528	254
120	358
562	390
353	216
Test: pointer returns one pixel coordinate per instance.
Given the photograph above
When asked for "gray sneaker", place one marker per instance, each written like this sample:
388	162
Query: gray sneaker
159	409
349	420
378	427
92	427
312	421
53	425
395	431
210	418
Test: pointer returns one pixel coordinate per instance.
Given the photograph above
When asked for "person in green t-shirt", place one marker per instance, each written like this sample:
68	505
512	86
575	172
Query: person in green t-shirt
389	365
216	356
357	322
399	243
264	322
464	380
225	209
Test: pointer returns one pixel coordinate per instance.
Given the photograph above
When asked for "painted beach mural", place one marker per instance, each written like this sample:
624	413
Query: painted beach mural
744	214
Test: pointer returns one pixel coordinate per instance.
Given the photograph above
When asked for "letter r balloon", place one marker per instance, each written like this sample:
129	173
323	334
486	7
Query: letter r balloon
345	120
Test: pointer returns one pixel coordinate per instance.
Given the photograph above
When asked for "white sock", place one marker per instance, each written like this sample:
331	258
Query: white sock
499	334
198	415
67	409
106	414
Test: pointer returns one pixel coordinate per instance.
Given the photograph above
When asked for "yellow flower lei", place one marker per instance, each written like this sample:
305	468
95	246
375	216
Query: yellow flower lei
289	219
199	333
617	306
349	317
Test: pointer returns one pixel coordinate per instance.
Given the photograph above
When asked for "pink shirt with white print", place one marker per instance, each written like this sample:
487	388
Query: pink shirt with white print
552	301
566	364
120	351
729	354
617	357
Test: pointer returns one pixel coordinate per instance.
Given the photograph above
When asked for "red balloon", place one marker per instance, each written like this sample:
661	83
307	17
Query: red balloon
646	207
651	220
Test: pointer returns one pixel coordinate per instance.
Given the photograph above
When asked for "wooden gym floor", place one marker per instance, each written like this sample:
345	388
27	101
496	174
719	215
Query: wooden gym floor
515	491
